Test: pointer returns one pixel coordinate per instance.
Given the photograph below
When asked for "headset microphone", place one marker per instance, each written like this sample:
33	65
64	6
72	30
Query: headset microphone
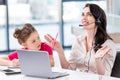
80	25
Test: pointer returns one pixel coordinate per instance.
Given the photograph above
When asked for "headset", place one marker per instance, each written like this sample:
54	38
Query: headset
98	20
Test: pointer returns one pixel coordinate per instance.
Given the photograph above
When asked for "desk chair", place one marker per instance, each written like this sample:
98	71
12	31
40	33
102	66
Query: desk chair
116	66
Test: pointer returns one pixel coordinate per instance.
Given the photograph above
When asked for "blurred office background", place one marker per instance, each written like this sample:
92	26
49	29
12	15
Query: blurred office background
50	16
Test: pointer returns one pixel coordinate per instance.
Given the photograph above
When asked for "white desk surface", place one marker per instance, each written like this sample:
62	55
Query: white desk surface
74	75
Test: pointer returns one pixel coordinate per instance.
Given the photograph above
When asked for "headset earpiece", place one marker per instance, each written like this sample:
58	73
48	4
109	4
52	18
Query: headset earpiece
98	20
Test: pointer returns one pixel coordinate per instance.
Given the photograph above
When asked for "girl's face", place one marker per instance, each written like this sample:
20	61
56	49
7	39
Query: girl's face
87	19
33	42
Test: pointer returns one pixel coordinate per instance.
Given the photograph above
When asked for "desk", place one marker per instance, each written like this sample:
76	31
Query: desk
74	75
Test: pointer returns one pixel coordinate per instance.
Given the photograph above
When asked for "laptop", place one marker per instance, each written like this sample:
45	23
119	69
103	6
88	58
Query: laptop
37	64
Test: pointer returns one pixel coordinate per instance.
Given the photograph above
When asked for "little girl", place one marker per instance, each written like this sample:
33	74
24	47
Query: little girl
29	38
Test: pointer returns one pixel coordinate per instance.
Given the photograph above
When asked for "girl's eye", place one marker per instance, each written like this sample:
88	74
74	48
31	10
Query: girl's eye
33	41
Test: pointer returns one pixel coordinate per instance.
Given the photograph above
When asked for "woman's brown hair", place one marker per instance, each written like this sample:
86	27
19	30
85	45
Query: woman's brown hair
101	22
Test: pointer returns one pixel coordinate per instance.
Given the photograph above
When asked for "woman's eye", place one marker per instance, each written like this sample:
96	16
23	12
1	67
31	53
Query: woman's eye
82	14
90	14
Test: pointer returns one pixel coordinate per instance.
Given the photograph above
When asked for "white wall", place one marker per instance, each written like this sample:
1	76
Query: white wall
113	23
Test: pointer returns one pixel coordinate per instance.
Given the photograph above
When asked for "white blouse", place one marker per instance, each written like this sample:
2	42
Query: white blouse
85	61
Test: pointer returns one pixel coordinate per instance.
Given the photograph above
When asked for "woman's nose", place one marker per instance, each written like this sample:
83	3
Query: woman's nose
84	17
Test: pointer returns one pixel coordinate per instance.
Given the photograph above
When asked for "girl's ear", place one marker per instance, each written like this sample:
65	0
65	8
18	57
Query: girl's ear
24	45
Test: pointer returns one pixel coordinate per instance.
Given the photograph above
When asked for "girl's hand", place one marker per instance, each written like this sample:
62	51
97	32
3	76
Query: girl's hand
101	52
15	63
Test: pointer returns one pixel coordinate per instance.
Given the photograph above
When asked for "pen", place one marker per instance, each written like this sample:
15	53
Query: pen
53	44
56	36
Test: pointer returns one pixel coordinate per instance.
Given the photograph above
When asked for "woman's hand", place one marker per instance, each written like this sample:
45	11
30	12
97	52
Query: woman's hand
56	45
98	58
53	43
101	52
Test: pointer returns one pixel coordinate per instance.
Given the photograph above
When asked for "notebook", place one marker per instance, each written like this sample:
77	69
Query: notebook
37	64
10	70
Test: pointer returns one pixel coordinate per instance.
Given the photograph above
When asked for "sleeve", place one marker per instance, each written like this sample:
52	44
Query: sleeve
13	55
76	56
72	58
109	59
47	48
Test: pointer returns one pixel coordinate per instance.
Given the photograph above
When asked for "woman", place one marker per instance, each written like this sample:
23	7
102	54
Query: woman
27	37
92	52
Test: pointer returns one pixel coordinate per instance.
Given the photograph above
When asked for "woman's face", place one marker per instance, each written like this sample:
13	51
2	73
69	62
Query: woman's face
33	42
88	19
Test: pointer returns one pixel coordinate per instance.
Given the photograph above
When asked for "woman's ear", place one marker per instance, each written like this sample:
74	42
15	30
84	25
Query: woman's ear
24	45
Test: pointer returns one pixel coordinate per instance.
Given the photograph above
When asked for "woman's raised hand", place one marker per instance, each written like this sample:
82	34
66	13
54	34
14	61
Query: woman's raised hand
101	52
53	42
